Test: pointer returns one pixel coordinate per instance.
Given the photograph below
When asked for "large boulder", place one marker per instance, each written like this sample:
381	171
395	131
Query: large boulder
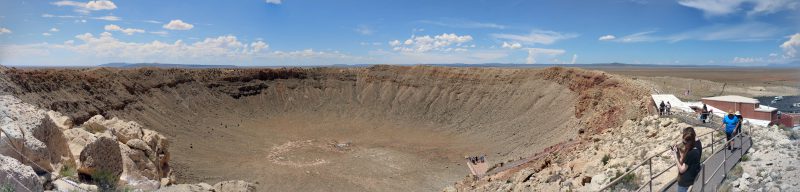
77	139
95	124
121	130
160	154
201	187
61	185
102	161
124	130
234	186
60	120
17	176
30	132
136	166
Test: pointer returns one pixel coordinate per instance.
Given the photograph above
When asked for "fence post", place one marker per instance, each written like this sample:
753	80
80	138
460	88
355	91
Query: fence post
703	186
724	163
712	143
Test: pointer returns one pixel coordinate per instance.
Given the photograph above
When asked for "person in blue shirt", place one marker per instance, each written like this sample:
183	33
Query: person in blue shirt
730	122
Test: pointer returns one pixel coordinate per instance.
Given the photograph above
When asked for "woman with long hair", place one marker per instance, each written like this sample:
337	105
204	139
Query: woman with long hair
687	159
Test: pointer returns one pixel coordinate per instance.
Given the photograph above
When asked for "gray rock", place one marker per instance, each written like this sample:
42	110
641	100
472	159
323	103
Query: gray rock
187	188
19	177
102	158
234	186
61	185
28	131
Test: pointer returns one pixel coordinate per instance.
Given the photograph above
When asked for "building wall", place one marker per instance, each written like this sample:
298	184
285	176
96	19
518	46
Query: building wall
747	109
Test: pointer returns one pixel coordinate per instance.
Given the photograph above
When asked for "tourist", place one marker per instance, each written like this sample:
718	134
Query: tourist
739	124
669	108
730	122
661	108
704	114
687	159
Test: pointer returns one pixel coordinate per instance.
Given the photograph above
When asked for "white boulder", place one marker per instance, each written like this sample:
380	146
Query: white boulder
17	176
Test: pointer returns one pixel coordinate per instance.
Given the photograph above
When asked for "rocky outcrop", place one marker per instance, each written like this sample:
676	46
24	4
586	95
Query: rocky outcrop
77	139
200	187
158	152
30	132
18	177
62	185
597	161
235	186
224	186
122	130
102	151
101	158
60	120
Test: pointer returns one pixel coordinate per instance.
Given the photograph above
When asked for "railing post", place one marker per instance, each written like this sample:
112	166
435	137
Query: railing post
724	163
703	167
650	161
712	143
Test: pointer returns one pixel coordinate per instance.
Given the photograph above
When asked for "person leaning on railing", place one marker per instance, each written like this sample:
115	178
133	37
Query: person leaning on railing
687	159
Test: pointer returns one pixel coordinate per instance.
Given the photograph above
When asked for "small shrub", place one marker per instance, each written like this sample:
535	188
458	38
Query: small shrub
745	158
627	181
68	170
605	159
6	188
105	180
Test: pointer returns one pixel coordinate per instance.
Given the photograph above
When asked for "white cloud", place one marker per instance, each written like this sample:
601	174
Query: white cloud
753	7
59	16
46	34
276	2
54	29
790	46
464	24
4	30
514	45
639	37
162	33
107	46
607	37
533	53
178	25
88	6
455	56
101	5
363	29
420	44
108	18
152	21
128	31
746	60
394	43
748	31
537	37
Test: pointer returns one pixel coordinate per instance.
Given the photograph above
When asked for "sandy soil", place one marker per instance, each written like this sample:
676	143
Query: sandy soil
361	129
706	82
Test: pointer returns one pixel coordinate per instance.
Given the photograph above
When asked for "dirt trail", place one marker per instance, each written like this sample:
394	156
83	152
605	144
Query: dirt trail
382	128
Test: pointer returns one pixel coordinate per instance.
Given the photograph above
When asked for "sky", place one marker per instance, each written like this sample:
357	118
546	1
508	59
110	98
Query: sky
322	32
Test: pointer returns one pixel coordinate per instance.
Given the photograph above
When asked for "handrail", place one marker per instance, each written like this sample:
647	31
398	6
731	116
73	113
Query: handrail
649	160
615	181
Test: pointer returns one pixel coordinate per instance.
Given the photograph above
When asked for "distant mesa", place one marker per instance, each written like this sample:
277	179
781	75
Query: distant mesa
164	65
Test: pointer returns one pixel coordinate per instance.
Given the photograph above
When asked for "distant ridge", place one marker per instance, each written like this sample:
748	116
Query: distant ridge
163	65
498	65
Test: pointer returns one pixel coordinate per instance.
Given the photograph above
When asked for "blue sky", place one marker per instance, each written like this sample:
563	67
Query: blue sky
318	32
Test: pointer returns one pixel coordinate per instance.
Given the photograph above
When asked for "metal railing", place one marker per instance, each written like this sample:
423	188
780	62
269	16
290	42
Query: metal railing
649	162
